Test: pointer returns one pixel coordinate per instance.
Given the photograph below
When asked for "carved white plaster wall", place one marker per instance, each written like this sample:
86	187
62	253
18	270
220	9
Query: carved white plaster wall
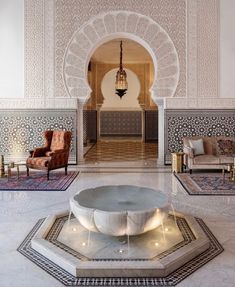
34	48
70	16
50	24
127	25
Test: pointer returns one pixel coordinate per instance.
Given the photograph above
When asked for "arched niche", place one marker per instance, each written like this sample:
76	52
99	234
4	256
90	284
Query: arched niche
121	24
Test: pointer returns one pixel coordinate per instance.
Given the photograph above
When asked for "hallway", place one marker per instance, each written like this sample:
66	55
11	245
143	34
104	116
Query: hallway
121	149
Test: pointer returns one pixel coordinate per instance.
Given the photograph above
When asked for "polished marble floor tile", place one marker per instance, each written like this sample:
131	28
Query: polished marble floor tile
111	150
19	211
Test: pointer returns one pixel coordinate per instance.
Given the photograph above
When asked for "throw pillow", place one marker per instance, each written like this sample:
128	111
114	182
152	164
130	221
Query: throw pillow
225	147
197	146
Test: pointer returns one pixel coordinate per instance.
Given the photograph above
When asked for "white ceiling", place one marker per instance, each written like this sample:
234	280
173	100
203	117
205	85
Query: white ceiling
109	52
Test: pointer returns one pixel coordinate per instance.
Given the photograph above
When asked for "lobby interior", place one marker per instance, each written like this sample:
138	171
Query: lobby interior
59	61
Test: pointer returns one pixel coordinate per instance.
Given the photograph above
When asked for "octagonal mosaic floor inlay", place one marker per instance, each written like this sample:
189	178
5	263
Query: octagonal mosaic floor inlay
48	234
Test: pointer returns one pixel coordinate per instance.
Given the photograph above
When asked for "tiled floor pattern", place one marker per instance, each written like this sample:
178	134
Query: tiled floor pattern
20	211
171	280
121	150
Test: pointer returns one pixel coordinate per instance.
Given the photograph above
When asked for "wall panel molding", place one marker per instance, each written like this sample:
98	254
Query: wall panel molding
38	103
199	103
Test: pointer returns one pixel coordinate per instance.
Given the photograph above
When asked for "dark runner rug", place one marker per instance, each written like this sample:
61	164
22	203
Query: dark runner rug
206	183
38	181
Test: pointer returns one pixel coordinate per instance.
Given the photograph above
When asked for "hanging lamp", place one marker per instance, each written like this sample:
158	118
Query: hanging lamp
121	84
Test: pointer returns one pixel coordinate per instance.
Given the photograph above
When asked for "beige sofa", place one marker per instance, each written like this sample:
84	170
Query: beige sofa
216	152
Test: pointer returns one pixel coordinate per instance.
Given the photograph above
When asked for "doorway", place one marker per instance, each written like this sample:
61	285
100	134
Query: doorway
127	128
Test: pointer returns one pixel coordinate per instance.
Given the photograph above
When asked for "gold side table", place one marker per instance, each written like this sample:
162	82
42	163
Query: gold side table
177	161
9	168
230	168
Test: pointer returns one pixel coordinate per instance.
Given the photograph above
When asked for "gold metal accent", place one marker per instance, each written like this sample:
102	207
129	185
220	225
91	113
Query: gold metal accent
177	161
121	82
2	167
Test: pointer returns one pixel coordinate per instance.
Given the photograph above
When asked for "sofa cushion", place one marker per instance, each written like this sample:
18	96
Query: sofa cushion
206	159
225	147
197	146
226	159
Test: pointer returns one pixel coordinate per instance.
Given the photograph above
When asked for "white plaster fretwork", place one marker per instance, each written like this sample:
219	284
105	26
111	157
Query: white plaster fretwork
208	47
80	132
192	49
34	48
49	49
70	16
127	25
202	49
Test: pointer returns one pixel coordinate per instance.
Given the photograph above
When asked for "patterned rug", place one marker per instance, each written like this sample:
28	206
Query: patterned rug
38	181
206	184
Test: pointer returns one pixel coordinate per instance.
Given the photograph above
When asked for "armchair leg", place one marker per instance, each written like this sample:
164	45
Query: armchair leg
27	171
48	174
66	169
190	171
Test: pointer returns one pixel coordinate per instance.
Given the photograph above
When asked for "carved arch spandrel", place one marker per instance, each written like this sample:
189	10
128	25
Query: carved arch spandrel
116	24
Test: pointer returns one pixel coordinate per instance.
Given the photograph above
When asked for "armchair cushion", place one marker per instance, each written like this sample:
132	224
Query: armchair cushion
38	161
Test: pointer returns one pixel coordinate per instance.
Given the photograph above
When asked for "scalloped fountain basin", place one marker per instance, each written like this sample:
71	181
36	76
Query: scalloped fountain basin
120	209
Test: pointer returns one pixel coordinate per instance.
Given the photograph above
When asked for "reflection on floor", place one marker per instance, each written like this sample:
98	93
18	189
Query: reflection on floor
119	149
21	210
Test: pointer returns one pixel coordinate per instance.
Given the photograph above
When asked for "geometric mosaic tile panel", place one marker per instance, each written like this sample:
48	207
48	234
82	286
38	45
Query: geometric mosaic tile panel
151	125
89	126
120	123
187	123
22	130
171	280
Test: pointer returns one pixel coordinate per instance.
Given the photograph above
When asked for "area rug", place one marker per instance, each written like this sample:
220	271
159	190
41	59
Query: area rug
38	181
206	184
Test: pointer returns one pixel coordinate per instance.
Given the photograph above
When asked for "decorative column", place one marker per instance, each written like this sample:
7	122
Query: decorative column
79	152
161	130
98	107
143	122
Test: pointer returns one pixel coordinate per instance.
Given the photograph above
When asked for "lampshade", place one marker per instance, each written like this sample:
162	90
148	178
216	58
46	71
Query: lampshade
121	82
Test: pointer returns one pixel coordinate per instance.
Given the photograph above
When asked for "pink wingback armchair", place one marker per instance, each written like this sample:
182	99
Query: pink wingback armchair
54	154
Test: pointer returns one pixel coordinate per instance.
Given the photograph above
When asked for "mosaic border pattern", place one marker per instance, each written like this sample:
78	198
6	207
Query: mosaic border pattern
69	280
188	123
22	130
59	223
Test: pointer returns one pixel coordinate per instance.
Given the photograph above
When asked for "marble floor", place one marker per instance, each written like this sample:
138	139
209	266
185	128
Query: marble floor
119	149
19	211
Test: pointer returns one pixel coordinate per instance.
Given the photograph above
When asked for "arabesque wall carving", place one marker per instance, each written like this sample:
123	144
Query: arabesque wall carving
134	26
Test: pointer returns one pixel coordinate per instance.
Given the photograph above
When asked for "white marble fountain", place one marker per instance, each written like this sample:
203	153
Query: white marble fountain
120	230
120	209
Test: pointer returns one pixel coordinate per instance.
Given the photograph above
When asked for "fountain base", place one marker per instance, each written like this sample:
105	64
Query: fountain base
157	253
